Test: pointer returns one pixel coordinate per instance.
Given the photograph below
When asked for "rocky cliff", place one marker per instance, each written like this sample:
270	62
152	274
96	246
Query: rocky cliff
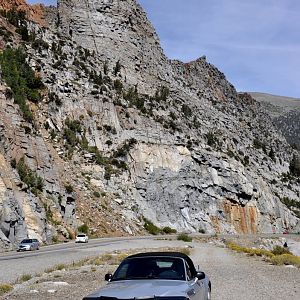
112	134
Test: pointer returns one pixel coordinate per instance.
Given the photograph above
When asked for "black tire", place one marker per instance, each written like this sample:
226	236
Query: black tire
208	293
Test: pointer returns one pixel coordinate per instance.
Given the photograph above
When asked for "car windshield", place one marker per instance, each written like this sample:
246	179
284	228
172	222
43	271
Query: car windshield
26	241
81	235
150	268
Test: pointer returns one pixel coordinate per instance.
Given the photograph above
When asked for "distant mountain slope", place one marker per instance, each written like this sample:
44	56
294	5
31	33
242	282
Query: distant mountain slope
285	112
285	103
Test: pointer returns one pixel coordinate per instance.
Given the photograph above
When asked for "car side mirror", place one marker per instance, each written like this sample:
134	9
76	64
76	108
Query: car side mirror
200	275
108	277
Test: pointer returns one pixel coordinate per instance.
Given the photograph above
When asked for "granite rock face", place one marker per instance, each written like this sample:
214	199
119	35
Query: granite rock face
123	133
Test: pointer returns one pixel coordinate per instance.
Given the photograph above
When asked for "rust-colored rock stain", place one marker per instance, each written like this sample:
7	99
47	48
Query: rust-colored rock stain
243	218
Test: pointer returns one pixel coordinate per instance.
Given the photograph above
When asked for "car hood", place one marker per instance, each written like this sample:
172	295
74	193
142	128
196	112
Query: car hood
147	288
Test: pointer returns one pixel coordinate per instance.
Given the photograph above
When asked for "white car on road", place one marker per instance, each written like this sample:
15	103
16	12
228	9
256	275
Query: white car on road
82	238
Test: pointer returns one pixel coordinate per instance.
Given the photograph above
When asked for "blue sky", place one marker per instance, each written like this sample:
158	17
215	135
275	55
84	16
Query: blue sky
256	43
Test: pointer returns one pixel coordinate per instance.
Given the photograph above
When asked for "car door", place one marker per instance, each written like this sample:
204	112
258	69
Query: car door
196	286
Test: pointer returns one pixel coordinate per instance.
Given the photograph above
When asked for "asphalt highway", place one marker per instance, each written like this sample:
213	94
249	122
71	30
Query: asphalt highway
15	264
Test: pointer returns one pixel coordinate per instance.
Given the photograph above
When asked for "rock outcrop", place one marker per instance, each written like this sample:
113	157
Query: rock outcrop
122	134
35	13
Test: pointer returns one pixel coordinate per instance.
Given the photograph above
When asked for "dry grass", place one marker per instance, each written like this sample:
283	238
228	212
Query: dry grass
286	259
275	256
25	277
250	251
5	288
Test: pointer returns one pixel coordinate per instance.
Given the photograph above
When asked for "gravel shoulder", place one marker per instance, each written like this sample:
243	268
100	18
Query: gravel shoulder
233	276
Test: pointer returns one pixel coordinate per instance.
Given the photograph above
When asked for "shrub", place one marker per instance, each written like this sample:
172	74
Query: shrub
40	44
169	230
21	79
162	93
272	154
151	228
201	230
246	160
83	228
5	34
125	148
13	163
16	18
105	68
212	140
295	166
186	110
118	85
96	194
292	204
117	68
259	145
5	288
286	259
53	134
133	98
69	188
184	237
53	97
96	78
23	31
73	125
60	267
29	177
278	250
25	277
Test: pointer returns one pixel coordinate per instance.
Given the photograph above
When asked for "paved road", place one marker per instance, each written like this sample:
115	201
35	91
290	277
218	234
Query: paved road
15	264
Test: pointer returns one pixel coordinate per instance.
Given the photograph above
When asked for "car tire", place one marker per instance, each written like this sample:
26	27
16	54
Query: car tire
208	294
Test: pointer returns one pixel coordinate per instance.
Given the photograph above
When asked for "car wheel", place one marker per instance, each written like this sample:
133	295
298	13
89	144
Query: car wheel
208	294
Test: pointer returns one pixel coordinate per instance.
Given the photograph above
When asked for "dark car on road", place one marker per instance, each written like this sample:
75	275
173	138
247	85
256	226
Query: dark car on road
155	276
29	245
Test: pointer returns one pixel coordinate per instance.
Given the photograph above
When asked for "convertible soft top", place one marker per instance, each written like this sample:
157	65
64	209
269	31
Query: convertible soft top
167	254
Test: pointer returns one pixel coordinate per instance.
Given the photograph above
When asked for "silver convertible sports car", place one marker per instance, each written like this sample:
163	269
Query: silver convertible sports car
155	276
